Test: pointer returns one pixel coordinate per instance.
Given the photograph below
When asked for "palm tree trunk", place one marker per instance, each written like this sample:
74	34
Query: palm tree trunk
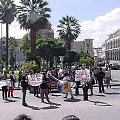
33	40
7	29
69	45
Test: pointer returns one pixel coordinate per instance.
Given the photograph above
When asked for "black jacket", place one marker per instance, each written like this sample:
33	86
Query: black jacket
100	75
24	84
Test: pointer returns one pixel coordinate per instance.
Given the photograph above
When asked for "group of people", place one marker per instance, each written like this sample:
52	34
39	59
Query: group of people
97	75
101	75
9	84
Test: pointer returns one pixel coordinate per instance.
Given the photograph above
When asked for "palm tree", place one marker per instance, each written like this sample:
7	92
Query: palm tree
12	45
68	29
33	15
7	15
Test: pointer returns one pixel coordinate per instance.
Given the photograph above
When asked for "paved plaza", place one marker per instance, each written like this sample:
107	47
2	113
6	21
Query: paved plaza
99	107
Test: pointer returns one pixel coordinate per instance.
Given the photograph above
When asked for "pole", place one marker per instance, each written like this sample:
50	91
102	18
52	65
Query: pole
7	27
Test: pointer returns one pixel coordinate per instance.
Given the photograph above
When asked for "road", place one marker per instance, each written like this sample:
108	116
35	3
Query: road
115	75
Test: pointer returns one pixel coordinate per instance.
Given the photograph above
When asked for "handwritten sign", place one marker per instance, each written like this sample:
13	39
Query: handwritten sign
35	79
81	75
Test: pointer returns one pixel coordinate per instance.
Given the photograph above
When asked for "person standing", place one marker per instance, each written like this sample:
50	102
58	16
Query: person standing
13	78
44	88
108	77
11	86
20	78
4	91
92	81
24	85
100	76
67	79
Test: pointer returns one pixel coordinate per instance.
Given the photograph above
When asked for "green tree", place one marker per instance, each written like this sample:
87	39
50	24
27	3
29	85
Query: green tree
29	65
7	15
86	60
45	48
68	29
12	44
33	15
25	45
70	57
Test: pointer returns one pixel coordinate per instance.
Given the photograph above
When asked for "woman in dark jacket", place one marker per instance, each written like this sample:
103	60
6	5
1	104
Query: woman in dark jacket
24	85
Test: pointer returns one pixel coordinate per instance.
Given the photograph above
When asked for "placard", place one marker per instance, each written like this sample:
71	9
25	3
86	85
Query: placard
35	79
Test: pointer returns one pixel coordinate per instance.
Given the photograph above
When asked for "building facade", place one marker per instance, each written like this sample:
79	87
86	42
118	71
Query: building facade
112	51
19	56
85	46
48	32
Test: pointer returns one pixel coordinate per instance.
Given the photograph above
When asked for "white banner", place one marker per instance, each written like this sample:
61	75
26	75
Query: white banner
35	79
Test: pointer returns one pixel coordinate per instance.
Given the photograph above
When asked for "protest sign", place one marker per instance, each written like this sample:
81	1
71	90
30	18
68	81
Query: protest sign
35	79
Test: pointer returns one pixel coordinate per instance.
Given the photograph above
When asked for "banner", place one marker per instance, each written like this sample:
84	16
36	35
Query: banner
81	75
35	79
3	83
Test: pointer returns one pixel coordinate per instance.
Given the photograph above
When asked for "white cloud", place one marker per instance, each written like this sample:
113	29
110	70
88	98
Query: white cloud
14	30
100	27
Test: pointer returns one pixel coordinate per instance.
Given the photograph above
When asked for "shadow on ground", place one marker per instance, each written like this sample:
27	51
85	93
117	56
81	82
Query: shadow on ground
9	100
17	97
33	107
112	93
50	107
72	100
99	103
100	95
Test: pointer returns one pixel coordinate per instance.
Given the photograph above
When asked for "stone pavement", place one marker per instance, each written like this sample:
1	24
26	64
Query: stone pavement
99	107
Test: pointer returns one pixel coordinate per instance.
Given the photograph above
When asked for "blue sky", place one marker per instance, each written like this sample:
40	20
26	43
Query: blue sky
81	9
98	18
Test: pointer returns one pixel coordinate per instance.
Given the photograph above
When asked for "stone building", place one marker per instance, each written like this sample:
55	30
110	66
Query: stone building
48	32
97	55
85	46
19	56
112	51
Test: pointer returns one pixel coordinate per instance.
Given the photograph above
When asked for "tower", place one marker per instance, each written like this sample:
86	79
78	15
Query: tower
88	44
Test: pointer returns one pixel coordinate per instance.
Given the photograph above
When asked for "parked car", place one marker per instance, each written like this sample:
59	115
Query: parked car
115	67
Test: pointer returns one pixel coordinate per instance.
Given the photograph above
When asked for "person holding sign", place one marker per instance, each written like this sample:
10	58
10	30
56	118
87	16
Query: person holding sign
44	88
66	85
